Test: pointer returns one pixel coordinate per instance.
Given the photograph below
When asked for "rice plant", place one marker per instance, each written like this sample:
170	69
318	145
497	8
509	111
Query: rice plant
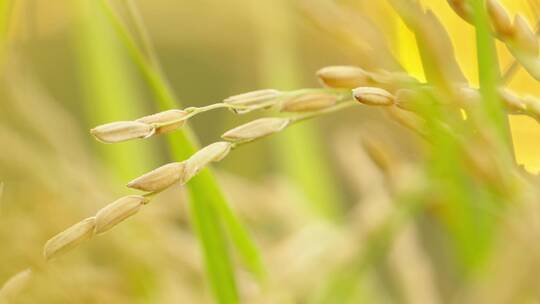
417	187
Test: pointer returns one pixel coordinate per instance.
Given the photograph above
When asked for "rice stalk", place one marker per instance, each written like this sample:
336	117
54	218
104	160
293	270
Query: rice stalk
159	180
462	184
208	204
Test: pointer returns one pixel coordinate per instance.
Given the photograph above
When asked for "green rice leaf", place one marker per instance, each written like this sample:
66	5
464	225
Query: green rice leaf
209	208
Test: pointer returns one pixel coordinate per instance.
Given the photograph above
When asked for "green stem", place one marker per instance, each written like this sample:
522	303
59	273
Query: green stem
209	208
489	74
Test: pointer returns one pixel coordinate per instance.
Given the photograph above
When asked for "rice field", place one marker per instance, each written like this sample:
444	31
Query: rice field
303	151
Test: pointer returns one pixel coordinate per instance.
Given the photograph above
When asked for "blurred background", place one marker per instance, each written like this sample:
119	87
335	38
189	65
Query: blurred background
310	196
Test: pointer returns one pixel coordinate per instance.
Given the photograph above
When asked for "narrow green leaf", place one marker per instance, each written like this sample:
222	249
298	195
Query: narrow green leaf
241	239
209	208
300	149
205	195
488	70
465	198
111	94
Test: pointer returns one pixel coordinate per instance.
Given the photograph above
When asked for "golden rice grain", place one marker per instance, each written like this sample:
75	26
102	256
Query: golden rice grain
167	120
254	100
499	18
373	96
117	212
309	102
346	77
523	36
256	129
121	131
69	238
211	153
160	178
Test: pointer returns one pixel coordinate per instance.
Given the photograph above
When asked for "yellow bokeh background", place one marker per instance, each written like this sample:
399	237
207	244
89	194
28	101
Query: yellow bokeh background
525	130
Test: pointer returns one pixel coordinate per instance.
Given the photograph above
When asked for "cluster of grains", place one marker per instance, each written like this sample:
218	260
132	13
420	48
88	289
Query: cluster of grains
386	89
382	88
393	89
104	220
305	103
403	106
518	35
390	90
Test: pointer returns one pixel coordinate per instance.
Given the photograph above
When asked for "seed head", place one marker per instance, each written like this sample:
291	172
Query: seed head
211	153
121	131
117	212
15	285
373	96
169	120
346	77
308	102
256	129
160	178
523	37
69	238
253	100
